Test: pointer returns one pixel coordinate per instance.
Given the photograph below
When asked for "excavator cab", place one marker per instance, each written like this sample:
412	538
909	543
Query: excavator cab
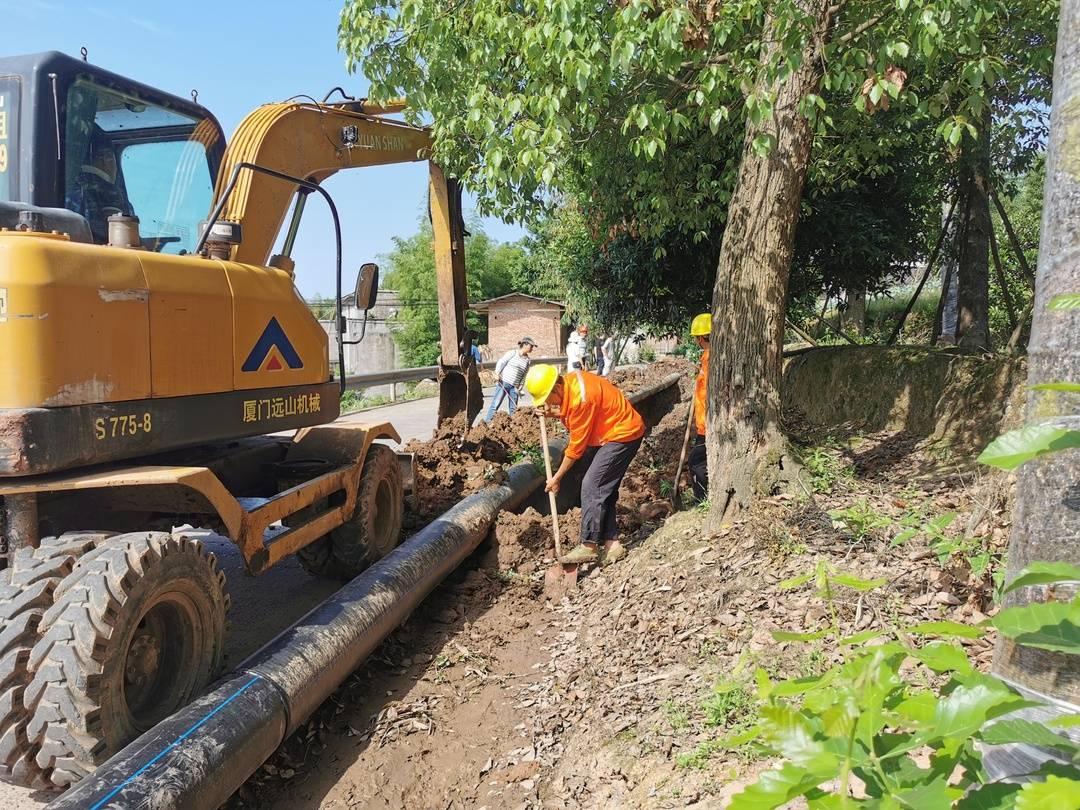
77	138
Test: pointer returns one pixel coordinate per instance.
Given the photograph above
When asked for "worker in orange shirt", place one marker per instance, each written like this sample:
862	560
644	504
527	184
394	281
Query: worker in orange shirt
697	462
605	431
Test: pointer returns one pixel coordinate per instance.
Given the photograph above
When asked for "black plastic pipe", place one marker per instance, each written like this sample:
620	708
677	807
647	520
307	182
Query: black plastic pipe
199	756
195	759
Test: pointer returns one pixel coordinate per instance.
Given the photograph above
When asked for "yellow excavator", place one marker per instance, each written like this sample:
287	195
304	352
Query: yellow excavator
154	347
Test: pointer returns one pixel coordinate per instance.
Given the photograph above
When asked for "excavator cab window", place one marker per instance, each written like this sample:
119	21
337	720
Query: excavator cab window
124	155
9	131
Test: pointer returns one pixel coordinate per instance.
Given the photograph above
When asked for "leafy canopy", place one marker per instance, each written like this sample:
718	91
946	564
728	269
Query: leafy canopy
637	107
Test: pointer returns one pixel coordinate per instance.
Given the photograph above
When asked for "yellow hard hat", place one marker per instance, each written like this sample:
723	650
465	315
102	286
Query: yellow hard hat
539	381
701	325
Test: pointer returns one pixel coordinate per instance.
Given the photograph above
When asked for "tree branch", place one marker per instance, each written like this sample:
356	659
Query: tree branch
860	29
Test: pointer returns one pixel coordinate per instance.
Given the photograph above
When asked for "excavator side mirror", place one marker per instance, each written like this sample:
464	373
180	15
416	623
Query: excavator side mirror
367	286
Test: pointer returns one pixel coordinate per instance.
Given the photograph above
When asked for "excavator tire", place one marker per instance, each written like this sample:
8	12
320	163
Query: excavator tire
136	631
375	527
27	588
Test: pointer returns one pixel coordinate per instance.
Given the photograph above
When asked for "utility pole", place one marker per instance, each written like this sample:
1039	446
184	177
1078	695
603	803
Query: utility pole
1046	520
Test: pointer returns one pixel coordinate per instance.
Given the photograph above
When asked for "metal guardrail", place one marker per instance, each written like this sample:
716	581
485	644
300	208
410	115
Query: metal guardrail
401	375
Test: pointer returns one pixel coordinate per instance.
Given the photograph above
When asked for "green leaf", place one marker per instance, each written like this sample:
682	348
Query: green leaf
1065	301
1055	793
941	656
1042	573
945	629
763	144
783	635
935	796
918	708
994	796
964	710
1012	449
799	686
1017	730
795	582
856	583
791	735
1056	386
1051	626
1066	721
860	638
777	787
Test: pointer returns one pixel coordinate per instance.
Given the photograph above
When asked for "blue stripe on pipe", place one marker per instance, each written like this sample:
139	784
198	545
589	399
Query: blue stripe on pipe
101	802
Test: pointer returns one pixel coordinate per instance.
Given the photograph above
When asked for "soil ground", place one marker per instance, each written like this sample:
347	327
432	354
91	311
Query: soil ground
492	696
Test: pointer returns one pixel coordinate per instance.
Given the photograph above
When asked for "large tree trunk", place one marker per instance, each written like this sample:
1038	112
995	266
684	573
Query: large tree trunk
746	449
973	299
1046	519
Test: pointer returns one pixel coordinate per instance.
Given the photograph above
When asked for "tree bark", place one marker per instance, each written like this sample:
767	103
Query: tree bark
946	316
746	449
973	276
855	314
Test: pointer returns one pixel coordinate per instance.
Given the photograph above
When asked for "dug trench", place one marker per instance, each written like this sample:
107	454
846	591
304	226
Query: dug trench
492	696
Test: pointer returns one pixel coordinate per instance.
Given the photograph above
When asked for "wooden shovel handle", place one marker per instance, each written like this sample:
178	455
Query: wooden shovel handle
551	495
682	456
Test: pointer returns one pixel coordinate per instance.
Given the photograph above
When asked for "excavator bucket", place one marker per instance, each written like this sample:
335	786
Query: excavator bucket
460	392
453	394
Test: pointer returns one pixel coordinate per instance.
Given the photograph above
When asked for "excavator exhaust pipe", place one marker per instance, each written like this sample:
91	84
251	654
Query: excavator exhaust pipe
196	758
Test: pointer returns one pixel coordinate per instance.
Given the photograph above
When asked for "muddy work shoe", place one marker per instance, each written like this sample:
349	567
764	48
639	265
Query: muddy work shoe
581	554
613	553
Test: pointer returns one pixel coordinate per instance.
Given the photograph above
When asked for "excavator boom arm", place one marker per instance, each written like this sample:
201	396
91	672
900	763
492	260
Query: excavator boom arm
313	141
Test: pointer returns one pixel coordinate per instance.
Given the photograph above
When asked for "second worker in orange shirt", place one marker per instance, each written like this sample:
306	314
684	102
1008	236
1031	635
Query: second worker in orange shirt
605	434
698	464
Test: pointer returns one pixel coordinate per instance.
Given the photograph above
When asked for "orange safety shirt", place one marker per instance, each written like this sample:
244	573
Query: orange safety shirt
700	388
595	413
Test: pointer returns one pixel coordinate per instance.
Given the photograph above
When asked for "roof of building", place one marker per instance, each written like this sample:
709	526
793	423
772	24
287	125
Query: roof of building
481	306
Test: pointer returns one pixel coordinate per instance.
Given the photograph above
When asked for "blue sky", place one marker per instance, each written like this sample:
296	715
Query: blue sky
239	54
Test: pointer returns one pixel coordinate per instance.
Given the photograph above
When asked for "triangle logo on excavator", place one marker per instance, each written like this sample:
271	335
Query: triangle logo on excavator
272	351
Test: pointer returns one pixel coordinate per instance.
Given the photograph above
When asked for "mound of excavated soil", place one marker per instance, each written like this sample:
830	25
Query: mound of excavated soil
523	543
633	379
458	461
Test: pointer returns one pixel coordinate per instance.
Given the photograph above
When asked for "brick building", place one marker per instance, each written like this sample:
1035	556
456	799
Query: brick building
511	317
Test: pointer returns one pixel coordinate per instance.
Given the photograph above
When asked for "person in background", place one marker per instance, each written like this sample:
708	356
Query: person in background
605	432
510	373
697	461
474	350
599	351
575	348
607	351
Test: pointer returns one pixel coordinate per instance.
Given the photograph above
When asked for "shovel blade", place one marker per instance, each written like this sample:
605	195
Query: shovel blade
560	579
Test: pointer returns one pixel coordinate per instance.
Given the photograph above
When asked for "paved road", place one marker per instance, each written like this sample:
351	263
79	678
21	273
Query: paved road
264	606
416	419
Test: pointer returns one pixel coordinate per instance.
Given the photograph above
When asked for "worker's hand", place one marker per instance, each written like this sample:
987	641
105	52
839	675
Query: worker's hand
552	485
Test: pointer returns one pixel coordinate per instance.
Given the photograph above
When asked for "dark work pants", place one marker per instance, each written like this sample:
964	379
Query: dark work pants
600	488
698	464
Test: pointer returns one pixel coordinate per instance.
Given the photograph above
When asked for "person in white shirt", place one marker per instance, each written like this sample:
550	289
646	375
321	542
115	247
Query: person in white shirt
607	349
575	349
510	373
